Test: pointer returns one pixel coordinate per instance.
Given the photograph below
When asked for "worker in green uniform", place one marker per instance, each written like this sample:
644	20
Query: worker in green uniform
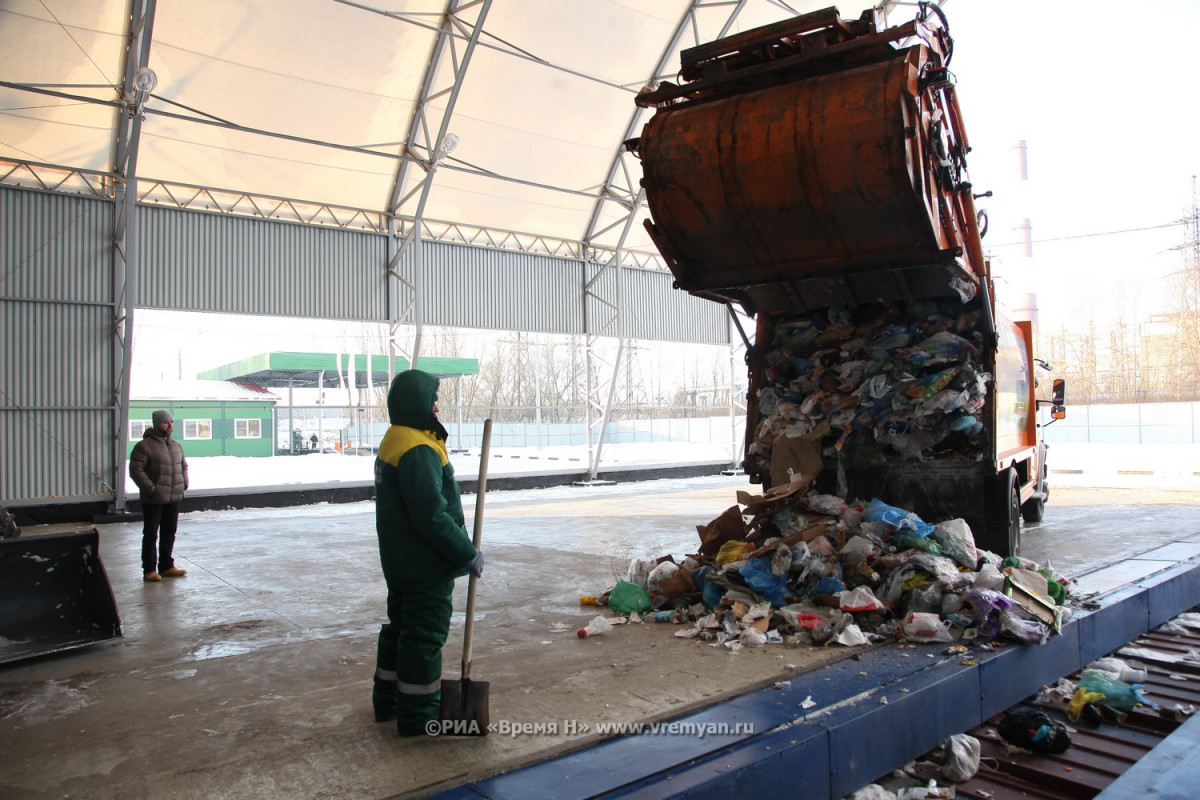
423	546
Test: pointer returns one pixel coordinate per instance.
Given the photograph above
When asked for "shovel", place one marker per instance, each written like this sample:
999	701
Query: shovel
464	709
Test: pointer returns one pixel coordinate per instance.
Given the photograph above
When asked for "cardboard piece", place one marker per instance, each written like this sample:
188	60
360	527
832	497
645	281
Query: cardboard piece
727	527
795	459
1030	590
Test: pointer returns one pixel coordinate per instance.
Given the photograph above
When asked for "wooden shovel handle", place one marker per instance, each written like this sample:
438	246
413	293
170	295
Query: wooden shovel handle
476	537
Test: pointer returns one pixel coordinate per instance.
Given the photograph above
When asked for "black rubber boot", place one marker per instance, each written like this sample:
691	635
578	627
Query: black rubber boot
384	699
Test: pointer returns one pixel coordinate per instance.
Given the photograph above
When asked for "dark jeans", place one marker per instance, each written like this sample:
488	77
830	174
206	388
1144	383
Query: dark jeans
159	523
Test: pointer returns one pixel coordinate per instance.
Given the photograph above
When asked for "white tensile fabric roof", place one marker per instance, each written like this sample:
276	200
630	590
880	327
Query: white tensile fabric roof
541	111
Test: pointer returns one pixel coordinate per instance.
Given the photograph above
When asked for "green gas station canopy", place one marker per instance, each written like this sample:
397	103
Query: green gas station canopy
310	370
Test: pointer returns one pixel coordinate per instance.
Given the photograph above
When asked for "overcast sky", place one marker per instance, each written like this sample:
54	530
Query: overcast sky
1104	94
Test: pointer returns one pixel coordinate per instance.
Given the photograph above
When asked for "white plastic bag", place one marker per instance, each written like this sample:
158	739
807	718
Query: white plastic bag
989	578
962	758
639	570
957	541
926	627
597	626
859	599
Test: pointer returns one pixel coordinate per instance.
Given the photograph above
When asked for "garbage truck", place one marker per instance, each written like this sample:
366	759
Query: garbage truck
813	172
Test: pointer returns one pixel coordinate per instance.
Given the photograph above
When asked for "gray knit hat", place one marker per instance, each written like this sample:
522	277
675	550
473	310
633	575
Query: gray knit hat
160	417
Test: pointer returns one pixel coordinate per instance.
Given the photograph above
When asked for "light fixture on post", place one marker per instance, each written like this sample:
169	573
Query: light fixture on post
144	81
449	142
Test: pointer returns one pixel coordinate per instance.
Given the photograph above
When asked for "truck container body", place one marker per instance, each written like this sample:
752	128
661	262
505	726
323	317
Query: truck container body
813	171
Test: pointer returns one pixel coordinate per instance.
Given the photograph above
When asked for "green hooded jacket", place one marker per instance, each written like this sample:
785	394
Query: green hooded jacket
418	513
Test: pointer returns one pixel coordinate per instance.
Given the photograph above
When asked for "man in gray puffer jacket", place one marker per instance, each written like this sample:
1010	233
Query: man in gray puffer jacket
160	471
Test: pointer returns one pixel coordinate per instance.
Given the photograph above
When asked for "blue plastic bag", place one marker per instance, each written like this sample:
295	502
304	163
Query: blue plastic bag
759	577
898	518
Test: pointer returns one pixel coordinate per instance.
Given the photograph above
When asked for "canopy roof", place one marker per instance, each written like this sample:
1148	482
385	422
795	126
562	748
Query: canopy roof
334	102
310	370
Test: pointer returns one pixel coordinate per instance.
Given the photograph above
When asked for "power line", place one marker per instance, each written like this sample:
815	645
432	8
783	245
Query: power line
1174	224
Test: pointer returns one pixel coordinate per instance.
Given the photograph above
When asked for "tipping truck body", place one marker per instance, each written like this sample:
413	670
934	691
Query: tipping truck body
813	171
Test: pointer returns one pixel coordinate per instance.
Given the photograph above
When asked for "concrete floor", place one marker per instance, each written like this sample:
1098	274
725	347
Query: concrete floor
251	677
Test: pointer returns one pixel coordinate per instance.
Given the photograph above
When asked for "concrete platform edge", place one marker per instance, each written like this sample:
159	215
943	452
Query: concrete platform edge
848	740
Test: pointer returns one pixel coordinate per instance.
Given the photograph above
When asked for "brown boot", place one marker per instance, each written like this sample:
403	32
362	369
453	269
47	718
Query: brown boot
151	577
174	572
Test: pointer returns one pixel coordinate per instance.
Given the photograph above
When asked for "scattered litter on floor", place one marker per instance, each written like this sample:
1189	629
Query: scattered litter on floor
792	567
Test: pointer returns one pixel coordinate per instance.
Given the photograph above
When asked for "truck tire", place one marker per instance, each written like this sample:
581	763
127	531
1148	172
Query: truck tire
1034	508
1003	534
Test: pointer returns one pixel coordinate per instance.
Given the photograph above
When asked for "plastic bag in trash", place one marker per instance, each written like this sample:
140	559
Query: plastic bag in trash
597	626
954	535
988	607
858	549
926	599
759	577
733	551
666	579
1117	694
989	578
628	598
1119	670
752	637
962	758
906	541
1026	630
896	517
826	504
926	627
639	570
859	599
1034	730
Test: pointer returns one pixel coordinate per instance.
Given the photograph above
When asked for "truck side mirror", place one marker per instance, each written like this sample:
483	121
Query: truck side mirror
1058	409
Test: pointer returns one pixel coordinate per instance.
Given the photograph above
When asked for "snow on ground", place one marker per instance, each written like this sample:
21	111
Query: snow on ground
1086	465
230	472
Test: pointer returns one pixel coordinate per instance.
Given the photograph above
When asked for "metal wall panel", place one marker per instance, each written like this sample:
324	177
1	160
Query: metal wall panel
481	287
484	287
56	324
654	310
54	246
195	261
657	311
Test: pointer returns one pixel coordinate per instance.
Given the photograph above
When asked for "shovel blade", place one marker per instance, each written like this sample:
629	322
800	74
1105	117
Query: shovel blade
464	709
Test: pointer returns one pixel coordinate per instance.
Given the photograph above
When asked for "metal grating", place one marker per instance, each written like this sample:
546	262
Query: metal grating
1101	751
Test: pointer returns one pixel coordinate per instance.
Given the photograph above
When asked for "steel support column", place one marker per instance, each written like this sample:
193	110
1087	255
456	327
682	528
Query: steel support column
622	187
425	151
124	234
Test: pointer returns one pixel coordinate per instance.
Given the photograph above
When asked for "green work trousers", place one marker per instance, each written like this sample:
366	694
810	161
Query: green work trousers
408	666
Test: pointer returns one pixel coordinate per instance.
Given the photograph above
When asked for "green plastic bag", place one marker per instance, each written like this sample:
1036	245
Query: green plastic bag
628	598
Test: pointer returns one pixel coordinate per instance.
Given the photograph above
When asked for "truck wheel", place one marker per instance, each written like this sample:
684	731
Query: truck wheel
1035	507
1003	534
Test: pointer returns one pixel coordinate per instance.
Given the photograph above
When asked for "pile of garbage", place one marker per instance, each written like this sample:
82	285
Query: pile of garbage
796	567
879	381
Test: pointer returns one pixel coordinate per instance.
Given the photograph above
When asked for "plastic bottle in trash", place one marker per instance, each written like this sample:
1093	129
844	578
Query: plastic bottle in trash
596	627
591	600
662	616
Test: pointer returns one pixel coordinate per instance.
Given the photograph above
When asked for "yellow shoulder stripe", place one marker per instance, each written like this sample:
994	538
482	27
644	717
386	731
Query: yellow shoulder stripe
399	439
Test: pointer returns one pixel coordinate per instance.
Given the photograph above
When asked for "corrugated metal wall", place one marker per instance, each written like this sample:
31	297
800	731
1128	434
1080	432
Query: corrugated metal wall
482	287
654	310
58	317
56	399
196	261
